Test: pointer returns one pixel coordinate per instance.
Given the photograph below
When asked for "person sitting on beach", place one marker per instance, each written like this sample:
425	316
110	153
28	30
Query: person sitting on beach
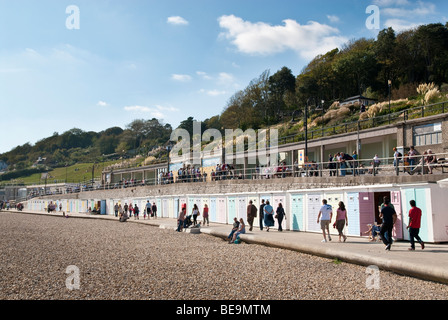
234	229
373	232
123	216
241	230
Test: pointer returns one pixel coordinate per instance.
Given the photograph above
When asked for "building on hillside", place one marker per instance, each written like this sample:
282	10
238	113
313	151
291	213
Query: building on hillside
358	99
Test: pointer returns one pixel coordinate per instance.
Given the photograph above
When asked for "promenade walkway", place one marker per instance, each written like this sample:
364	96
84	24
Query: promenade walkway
428	264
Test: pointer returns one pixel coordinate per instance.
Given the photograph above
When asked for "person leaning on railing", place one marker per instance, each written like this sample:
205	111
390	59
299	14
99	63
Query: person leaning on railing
431	161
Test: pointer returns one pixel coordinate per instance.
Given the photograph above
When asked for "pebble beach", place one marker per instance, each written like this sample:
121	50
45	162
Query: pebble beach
128	261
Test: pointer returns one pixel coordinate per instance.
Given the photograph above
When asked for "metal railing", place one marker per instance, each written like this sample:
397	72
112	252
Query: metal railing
419	165
404	115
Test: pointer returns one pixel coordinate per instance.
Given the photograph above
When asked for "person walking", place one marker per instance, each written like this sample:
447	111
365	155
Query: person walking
195	213
261	214
415	217
280	214
205	215
120	210
326	212
389	217
154	210
131	210
341	220
412	157
147	209
251	214
116	210
268	216
181	218
136	212
125	208
397	159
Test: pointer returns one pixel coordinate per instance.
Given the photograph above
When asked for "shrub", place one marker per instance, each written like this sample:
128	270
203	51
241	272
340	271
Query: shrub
432	95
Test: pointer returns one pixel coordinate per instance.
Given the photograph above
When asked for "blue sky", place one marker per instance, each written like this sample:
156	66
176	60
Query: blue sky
166	59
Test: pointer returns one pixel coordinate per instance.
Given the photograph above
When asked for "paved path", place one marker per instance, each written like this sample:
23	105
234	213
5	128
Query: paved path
428	264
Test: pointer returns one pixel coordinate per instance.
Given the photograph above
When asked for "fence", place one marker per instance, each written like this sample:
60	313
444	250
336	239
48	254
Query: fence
419	165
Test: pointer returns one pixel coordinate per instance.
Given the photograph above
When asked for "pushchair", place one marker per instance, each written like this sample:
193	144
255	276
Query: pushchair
187	221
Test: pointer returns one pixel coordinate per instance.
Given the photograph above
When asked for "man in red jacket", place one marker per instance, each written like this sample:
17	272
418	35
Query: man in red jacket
415	217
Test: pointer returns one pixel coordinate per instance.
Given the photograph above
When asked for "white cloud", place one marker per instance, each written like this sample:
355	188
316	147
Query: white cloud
158	111
102	104
333	18
204	75
143	109
181	77
213	93
404	15
400	25
178	21
137	108
263	39
167	108
225	78
422	9
387	3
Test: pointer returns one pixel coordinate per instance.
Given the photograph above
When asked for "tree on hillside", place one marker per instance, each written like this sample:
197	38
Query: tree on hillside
281	84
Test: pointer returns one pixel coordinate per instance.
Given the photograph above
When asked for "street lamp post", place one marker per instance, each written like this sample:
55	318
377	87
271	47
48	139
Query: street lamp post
168	148
321	108
93	173
306	127
389	82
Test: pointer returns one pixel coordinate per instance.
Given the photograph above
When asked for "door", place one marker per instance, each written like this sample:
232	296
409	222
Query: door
159	206
366	211
103	207
165	208
176	207
242	208
277	199
231	209
395	199
313	204
420	196
257	205
333	200
205	201
221	210
296	220
190	206
353	214
212	211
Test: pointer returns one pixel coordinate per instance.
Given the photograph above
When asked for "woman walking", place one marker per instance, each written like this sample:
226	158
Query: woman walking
205	215
280	214
195	214
341	220
268	216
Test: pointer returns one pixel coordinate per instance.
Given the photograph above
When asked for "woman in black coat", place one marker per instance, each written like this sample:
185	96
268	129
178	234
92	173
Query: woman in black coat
280	214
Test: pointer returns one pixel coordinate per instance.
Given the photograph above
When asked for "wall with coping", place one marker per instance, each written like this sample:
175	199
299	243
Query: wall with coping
246	186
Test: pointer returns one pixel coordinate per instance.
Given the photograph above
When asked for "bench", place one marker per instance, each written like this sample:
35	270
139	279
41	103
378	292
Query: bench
441	163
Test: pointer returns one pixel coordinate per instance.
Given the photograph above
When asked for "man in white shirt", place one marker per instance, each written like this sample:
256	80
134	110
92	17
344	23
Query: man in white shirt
326	211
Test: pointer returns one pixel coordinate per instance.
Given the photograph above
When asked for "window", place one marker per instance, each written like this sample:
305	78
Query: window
428	134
